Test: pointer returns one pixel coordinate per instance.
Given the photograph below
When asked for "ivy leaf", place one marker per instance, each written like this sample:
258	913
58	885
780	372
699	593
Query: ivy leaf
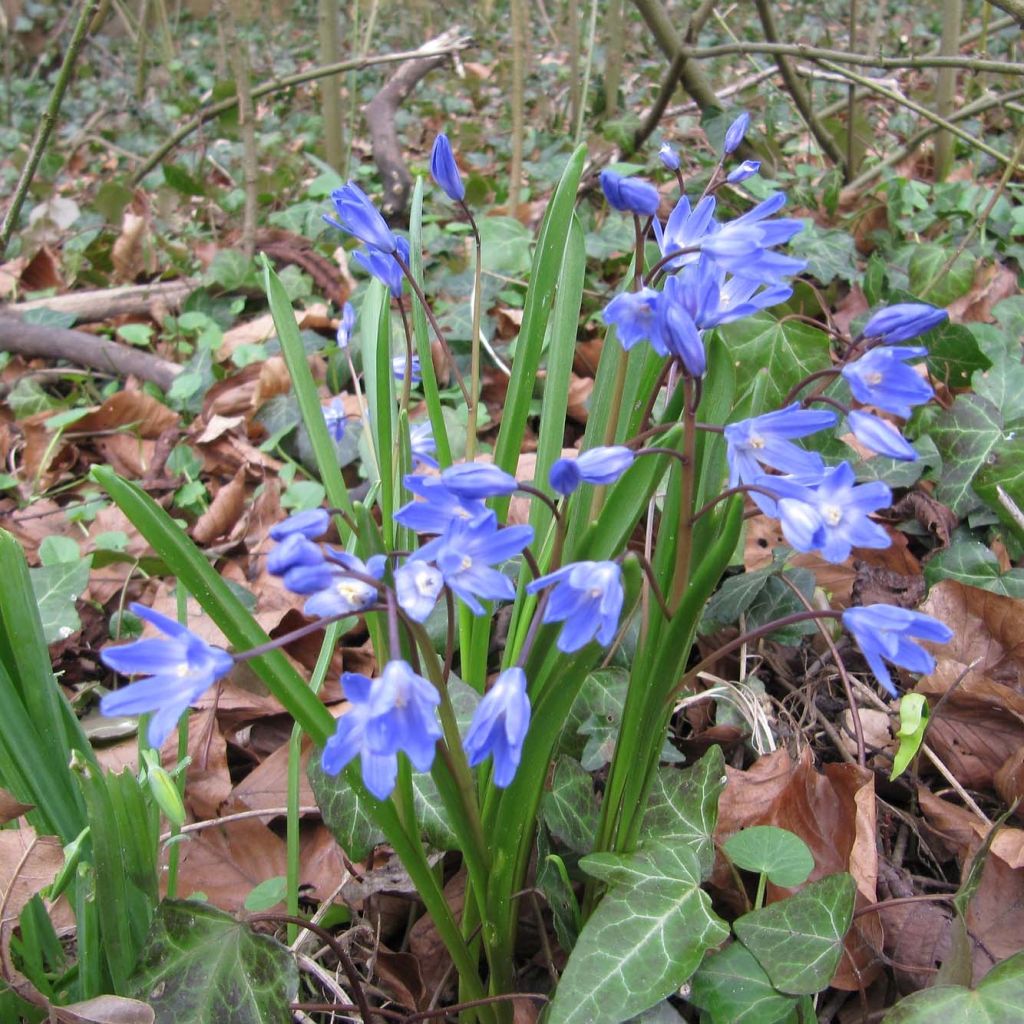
732	988
683	806
787	351
928	268
506	245
954	355
798	941
647	936
966	436
1002	385
200	964
1004	468
996	1000
569	808
830	253
971	563
345	812
56	588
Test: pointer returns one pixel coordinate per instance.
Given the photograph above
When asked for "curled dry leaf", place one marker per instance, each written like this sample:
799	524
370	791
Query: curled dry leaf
224	511
11	808
133	253
142	412
104	1010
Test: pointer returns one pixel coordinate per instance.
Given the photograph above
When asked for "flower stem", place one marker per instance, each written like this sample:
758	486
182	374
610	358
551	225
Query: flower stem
474	365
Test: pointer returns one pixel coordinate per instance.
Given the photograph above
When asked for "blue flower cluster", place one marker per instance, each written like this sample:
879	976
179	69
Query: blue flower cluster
714	272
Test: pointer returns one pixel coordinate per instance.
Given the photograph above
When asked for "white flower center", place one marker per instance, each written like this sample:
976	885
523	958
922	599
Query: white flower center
466	563
832	514
875	378
756	441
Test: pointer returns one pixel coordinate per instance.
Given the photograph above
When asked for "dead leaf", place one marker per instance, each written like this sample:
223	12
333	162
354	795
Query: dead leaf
426	944
993	282
133	253
136	409
580	390
400	975
11	808
252	332
224	511
104	1010
207	781
42	272
226	861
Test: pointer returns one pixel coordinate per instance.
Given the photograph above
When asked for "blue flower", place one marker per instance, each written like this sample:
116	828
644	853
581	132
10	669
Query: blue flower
465	553
400	364
879	436
445	171
685	229
601	465
634	315
336	418
346	325
332	588
417	585
384	266
678	331
887	631
588	598
631	195
744	245
423	445
735	132
360	218
391	714
881	378
310	522
745	170
903	321
439	507
179	668
410	723
478	480
367	701
669	157
767	441
293	551
832	516
499	726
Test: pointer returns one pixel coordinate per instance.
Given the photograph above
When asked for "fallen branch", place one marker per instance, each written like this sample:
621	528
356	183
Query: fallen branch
105	303
380	117
39	342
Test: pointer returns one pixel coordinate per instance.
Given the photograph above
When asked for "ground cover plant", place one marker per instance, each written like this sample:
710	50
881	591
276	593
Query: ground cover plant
568	570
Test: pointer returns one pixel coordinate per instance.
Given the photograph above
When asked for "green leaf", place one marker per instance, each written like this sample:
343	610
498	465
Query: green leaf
787	352
181	181
954	355
570	808
55	549
996	1000
596	714
200	965
647	936
776	600
830	253
798	941
1003	469
683	806
974	565
1002	385
345	812
927	267
965	436
506	245
776	852
733	598
57	588
553	881
267	894
732	988
913	723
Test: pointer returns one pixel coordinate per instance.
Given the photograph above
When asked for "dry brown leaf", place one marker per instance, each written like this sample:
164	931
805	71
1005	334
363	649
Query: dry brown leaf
987	628
10	275
226	861
993	282
266	786
104	1010
1009	780
426	943
917	935
11	808
128	456
274	380
580	390
224	511
136	409
400	975
207	781
133	253
979	725
42	272
250	333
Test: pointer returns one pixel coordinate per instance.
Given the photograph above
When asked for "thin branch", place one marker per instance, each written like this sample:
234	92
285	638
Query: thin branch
796	89
279	84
